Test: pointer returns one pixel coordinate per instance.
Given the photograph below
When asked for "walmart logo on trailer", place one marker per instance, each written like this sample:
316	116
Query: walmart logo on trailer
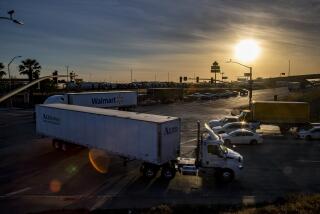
114	100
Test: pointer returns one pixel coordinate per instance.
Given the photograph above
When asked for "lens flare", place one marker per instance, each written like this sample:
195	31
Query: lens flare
55	185
100	160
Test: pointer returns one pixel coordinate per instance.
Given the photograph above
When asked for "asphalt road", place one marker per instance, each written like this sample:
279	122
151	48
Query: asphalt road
34	177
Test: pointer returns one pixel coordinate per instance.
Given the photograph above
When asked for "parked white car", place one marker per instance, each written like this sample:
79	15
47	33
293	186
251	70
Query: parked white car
241	136
310	134
229	127
222	121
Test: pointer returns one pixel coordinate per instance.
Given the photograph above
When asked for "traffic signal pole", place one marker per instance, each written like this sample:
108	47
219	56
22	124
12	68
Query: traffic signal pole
250	89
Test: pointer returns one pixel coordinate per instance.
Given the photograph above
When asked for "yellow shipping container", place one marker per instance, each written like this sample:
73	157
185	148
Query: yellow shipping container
281	112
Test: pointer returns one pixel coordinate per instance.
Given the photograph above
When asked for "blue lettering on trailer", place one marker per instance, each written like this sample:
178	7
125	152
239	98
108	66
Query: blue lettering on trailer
114	100
51	119
171	130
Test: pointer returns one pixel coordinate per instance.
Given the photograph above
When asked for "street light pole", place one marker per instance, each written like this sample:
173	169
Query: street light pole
9	75
10	18
250	89
250	80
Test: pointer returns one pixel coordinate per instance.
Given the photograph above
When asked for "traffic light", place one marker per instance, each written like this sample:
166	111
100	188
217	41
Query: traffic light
72	76
197	79
211	80
55	79
185	78
180	79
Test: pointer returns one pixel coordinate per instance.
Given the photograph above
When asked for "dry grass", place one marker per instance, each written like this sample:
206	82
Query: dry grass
301	204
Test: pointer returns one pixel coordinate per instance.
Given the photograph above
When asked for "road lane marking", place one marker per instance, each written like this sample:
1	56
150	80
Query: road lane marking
188	141
18	191
309	161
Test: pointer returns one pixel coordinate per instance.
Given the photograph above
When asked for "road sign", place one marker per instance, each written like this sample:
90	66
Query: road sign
224	78
247	74
215	68
185	78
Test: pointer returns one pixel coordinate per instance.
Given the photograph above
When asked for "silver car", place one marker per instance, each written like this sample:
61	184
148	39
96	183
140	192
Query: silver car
229	127
241	136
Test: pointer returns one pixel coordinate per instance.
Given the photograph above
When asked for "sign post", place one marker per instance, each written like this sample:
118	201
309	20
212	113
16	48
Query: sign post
215	68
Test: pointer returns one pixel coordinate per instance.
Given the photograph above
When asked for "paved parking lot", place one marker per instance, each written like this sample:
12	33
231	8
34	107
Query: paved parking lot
34	177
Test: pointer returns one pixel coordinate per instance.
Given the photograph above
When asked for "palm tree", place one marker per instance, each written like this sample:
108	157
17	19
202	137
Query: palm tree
2	72
31	68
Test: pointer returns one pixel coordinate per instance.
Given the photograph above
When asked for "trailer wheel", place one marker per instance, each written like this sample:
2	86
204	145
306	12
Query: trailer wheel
149	173
64	147
168	173
226	175
56	144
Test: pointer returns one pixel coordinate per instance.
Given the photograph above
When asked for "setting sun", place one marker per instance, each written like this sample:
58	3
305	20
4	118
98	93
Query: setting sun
247	50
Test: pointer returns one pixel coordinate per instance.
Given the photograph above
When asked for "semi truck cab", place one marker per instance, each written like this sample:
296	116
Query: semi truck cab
226	163
214	158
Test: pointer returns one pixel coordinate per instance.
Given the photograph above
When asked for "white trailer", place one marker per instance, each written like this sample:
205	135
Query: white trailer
109	99
153	139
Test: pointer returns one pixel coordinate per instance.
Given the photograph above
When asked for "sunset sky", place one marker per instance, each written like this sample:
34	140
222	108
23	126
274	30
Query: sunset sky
103	40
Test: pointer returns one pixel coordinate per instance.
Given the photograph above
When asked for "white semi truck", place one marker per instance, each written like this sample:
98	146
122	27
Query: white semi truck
152	139
110	99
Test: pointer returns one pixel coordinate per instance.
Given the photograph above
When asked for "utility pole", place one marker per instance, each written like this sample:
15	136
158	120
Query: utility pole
131	75
168	77
215	68
250	89
250	80
289	68
67	73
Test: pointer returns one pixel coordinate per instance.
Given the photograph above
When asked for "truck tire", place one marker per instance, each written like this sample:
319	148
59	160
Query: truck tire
148	171
284	130
226	175
168	173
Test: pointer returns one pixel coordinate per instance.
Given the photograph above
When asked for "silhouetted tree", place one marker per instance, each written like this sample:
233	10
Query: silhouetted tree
2	72
31	68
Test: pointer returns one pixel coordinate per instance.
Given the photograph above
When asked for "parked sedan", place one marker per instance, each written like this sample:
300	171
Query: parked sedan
313	133
229	127
222	121
241	136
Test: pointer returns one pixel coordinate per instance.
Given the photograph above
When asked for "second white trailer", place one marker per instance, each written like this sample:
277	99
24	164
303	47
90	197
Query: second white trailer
109	99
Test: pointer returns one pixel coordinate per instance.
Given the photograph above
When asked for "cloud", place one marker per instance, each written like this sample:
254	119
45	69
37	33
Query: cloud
93	34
